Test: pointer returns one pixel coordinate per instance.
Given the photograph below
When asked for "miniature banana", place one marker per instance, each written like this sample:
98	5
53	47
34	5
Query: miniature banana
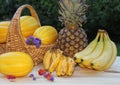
47	59
59	67
64	66
54	55
86	61
87	50
105	57
55	62
71	66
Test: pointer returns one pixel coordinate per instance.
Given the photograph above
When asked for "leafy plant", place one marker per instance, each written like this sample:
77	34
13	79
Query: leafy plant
5	8
103	14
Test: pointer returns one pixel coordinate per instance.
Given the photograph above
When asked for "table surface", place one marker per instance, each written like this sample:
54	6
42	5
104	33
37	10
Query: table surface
80	77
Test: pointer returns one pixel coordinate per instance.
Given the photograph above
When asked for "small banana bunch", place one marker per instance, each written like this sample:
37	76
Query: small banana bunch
54	60
100	54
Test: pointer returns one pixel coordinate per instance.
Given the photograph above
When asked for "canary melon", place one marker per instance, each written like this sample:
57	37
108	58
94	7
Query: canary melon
5	23
15	63
3	30
47	34
28	26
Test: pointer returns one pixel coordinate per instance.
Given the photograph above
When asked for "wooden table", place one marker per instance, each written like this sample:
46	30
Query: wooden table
80	77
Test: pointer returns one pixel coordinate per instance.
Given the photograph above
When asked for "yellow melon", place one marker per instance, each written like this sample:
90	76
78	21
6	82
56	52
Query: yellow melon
15	63
47	34
3	30
28	26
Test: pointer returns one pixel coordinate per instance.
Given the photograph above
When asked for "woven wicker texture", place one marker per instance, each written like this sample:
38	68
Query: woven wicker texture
16	42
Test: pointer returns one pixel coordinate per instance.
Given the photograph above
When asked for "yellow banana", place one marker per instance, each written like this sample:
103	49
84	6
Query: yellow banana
114	54
47	59
81	65
86	61
54	55
64	66
71	66
55	61
59	67
87	50
105	57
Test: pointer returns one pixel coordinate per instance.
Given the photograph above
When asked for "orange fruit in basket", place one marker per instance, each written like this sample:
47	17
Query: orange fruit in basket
47	34
16	64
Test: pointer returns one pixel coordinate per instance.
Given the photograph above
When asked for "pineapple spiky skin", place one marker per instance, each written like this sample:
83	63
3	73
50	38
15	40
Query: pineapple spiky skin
72	38
71	41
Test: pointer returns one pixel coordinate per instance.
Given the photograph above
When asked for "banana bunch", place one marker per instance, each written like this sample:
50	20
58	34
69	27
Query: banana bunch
100	54
54	60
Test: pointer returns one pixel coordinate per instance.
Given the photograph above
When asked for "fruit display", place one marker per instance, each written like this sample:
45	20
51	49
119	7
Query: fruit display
17	64
47	34
72	38
28	26
54	60
100	54
56	54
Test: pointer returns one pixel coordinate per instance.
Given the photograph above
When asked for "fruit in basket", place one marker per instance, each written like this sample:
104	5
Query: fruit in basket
54	60
15	63
28	26
103	55
3	30
72	38
47	34
5	23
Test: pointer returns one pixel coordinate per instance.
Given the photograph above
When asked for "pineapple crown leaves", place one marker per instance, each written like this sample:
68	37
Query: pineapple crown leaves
72	12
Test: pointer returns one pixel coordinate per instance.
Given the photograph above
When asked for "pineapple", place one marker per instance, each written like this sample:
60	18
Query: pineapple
72	38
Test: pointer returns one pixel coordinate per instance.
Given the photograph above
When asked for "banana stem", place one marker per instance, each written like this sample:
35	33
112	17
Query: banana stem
98	34
101	37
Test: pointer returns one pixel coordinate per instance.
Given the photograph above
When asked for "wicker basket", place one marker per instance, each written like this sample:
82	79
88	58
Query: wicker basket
16	42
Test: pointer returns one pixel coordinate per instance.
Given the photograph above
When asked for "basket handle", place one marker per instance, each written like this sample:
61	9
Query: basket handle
15	41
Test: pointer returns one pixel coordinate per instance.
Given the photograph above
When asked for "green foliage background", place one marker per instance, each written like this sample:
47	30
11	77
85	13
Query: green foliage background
102	14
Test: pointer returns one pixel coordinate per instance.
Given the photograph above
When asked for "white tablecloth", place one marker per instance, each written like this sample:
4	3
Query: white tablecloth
80	77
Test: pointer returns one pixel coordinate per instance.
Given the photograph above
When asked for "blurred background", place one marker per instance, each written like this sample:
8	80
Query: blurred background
101	14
